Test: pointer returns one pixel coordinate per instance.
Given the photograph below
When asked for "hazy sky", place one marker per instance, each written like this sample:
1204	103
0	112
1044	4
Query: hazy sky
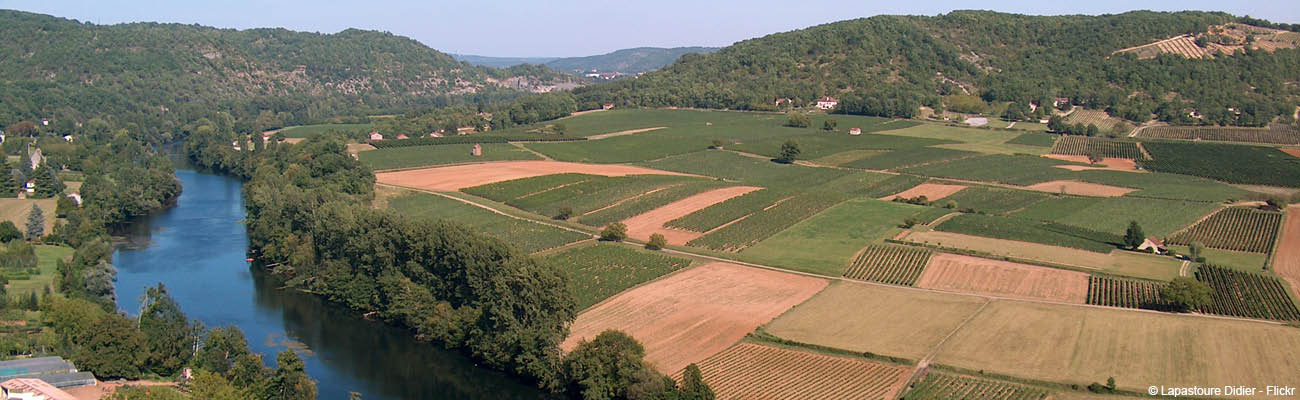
573	28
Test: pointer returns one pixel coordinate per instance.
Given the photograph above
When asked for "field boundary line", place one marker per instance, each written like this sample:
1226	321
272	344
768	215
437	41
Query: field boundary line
485	207
628	132
924	364
638	195
534	152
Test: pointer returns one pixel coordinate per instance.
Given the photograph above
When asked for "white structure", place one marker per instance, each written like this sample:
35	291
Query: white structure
1154	245
36	157
67	138
855	131
376	136
32	389
827	103
75	197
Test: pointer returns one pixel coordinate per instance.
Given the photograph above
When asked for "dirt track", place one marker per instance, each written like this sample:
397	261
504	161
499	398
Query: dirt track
931	191
457	177
651	222
689	316
1081	188
1286	260
1003	278
623	133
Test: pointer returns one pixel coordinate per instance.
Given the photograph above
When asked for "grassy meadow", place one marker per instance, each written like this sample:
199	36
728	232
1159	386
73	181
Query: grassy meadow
526	235
603	270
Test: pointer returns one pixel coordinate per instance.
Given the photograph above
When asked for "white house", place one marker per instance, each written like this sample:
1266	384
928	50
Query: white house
827	103
855	131
376	136
67	138
781	101
1153	245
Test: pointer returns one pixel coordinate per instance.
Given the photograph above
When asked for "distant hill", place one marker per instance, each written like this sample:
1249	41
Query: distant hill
980	60
501	62
163	75
626	61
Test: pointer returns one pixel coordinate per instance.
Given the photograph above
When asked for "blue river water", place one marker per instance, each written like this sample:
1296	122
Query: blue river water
197	249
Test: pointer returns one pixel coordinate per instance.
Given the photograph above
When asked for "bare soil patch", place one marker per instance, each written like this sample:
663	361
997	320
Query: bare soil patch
1293	152
651	222
103	390
754	371
354	148
623	133
1286	257
1108	163
457	177
931	191
691	315
16	211
976	275
1080	188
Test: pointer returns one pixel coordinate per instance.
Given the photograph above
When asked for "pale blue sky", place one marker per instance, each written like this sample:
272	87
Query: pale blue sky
577	28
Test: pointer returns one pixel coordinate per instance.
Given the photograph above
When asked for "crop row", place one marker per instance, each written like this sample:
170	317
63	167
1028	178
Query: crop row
1083	146
708	218
1274	134
993	200
1243	294
1025	230
944	386
895	184
907	157
768	222
1236	228
470	139
752	371
638	205
601	271
895	265
1086	117
515	188
1231	163
1126	293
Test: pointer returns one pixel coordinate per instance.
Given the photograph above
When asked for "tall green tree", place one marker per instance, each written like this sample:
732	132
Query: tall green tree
35	223
1133	236
290	381
169	335
114	348
9	232
47	181
789	152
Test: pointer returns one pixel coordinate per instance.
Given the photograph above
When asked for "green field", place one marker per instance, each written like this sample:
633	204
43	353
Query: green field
1157	217
46	262
1020	229
600	271
526	235
595	193
1034	139
1232	163
908	157
649	201
816	144
992	200
1238	260
515	188
765	223
825	243
419	156
747	170
307	130
719	214
970	139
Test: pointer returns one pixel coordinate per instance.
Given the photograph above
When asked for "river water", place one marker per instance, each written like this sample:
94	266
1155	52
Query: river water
197	249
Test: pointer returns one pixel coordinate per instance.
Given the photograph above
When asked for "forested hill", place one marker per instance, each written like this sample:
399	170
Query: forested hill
159	75
627	61
890	65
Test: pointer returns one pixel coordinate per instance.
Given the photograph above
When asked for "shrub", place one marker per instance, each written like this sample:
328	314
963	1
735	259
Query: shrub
789	151
657	241
564	214
614	232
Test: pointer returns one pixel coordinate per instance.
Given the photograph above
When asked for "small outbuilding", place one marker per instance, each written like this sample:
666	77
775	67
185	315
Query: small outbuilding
376	136
855	131
827	103
1153	245
607	106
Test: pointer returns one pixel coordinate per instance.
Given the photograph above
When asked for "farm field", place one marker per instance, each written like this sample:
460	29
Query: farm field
826	242
631	207
1106	163
1286	260
1234	228
1274	134
1156	216
47	258
993	200
642	226
891	264
931	192
890	321
457	177
966	274
1103	120
907	157
767	222
941	386
1125	263
16	211
858	183
1238	260
1078	188
1085	146
815	143
1035	139
526	235
968	139
755	371
419	156
300	132
1081	345
600	271
744	170
1231	163
595	193
1244	294
1048	233
691	315
1124	293
999	168
708	218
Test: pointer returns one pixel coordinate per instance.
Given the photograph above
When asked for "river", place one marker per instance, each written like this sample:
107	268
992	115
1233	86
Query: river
197	249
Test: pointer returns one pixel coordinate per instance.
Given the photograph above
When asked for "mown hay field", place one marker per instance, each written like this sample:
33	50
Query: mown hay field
966	274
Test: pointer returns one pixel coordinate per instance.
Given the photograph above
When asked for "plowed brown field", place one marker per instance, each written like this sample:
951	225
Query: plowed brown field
1080	188
976	275
931	191
689	316
1110	163
1286	258
753	371
457	177
651	222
